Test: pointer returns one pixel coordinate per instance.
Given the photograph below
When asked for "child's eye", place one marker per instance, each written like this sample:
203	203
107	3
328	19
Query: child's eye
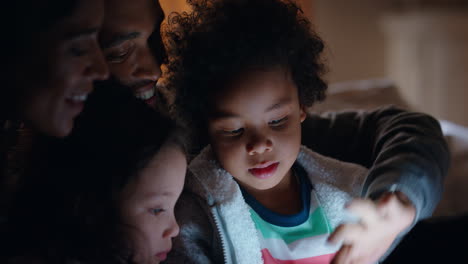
234	132
156	211
278	122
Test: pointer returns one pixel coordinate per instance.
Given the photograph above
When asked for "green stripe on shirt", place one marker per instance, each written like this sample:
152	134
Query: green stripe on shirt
317	224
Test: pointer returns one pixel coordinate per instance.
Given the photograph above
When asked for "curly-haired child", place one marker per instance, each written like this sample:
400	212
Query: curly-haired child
246	72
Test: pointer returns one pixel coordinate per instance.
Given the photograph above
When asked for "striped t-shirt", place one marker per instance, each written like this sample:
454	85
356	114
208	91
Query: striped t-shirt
300	238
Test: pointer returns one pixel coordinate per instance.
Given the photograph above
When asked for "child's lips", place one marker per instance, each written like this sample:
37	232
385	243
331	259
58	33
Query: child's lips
162	255
264	172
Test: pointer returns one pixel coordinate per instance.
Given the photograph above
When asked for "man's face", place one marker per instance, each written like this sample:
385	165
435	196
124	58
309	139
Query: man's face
131	42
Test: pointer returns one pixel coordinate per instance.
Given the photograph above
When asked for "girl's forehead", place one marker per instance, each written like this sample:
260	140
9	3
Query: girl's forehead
267	89
163	176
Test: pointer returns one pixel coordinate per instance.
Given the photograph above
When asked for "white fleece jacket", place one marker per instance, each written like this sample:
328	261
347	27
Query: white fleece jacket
214	219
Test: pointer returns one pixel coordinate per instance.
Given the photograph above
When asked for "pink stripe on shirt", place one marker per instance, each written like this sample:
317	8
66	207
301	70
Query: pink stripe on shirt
323	259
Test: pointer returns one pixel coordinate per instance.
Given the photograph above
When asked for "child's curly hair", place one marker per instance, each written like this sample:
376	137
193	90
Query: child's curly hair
223	38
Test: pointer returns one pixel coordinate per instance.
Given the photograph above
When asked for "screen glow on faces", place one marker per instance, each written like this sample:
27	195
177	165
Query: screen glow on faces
147	204
255	128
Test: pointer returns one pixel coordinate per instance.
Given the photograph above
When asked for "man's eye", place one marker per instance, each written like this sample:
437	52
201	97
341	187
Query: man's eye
119	53
117	56
234	132
278	122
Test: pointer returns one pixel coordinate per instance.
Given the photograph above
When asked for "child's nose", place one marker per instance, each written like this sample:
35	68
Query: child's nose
172	230
259	144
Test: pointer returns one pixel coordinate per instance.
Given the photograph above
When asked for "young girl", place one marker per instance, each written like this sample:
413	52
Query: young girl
106	193
246	71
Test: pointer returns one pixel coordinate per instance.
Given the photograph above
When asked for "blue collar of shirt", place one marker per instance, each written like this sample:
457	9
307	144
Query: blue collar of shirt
281	219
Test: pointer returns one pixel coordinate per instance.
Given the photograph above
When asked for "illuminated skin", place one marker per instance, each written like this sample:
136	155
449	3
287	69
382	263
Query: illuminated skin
255	132
55	82
148	202
380	224
257	119
130	39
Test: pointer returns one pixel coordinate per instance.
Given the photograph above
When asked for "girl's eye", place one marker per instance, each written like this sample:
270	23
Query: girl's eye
156	211
235	132
278	122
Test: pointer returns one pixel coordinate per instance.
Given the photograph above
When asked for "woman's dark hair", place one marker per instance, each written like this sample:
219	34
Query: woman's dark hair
23	22
68	206
30	18
224	38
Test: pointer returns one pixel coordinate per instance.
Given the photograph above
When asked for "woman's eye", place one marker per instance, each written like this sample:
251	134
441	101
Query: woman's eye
278	122
156	211
78	51
234	132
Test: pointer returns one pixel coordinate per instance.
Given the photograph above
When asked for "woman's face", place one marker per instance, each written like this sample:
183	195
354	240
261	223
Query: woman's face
147	204
54	80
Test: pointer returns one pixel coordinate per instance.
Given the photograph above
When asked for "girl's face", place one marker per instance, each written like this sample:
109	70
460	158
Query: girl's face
147	204
55	78
255	128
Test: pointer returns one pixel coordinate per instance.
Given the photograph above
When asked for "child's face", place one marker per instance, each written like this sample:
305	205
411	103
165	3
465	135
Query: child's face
255	127
147	204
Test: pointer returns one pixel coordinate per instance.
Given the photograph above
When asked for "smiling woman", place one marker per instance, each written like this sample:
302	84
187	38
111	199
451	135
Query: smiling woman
54	62
52	59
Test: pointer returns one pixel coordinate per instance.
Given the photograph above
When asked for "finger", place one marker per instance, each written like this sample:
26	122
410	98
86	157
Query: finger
385	197
364	260
357	254
361	255
341	256
365	209
395	199
401	197
348	233
386	204
393	208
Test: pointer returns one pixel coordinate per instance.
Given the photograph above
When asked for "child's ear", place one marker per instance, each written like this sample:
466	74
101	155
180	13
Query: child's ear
303	113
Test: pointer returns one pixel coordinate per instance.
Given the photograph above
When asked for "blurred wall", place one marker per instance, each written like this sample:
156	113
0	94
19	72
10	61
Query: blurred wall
427	57
421	45
352	33
174	5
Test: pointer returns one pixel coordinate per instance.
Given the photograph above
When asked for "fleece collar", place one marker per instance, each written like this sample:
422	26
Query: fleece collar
335	182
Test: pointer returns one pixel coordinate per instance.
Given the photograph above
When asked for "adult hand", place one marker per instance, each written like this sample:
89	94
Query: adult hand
380	223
